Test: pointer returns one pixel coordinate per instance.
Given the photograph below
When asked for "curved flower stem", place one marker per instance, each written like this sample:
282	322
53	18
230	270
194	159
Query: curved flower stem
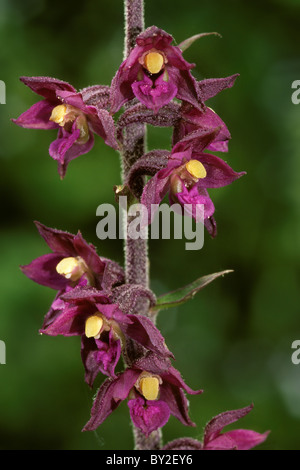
136	250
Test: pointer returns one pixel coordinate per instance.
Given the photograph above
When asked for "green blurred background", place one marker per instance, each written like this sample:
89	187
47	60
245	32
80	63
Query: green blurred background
234	339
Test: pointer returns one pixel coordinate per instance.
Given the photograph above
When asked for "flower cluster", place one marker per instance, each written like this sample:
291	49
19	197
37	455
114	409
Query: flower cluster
93	299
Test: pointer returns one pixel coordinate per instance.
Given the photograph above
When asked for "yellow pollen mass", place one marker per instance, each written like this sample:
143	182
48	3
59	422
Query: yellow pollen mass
58	113
93	326
196	169
149	387
67	267
154	62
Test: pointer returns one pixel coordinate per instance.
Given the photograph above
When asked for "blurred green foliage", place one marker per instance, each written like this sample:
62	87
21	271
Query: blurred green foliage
234	339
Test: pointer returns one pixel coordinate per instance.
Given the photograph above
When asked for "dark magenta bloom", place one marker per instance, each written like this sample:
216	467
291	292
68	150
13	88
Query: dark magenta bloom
104	329
193	118
73	262
63	108
214	439
155	391
72	259
239	439
186	177
155	72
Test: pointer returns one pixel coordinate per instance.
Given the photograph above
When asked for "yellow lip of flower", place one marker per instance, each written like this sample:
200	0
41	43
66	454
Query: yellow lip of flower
71	268
93	326
58	114
196	169
154	61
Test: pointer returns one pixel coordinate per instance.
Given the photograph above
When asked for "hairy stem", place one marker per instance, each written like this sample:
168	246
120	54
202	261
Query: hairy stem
136	251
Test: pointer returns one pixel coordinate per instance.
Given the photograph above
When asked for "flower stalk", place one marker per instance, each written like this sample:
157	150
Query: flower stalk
136	251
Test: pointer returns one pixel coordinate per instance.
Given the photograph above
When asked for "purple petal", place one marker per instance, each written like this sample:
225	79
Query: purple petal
177	402
219	173
211	226
88	253
153	193
196	141
108	355
174	161
113	275
151	362
96	95
103	125
37	117
55	309
58	241
85	295
91	366
112	312
99	356
196	203
46	86
63	143
187	87
222	442
154	95
175	58
212	86
110	395
245	439
70	322
43	271
150	417
173	376
120	90
155	37
240	439
65	148
144	332
193	119
216	424
74	99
